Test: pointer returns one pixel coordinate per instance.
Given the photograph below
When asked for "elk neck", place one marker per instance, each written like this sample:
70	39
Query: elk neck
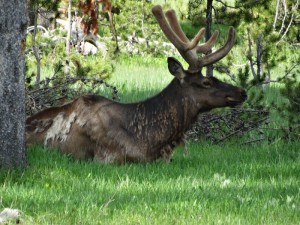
164	117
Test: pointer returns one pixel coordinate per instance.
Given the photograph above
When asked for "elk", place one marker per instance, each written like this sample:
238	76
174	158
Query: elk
94	127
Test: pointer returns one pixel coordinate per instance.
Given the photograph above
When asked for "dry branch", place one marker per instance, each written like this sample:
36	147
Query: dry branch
220	126
56	91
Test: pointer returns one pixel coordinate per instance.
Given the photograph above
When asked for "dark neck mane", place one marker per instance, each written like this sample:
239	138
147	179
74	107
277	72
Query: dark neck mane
164	117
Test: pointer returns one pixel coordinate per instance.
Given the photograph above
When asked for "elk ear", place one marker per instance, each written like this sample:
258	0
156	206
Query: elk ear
176	68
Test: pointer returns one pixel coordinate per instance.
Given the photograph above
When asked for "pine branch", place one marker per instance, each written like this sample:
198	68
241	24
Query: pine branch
229	6
289	71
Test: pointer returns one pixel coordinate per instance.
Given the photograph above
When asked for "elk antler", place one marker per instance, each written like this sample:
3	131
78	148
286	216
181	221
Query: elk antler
189	49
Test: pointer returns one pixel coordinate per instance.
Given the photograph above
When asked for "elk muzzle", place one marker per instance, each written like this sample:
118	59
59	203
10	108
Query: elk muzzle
238	98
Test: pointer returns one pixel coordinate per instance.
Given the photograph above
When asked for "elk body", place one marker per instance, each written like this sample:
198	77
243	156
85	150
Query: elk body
94	127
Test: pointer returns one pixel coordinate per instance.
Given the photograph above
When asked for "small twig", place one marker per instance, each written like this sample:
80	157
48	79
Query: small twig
221	126
56	89
254	141
229	6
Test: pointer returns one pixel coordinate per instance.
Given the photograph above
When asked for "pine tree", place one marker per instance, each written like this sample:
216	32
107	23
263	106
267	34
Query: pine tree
258	31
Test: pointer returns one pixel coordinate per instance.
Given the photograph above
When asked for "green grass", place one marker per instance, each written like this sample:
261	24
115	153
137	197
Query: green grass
138	79
212	185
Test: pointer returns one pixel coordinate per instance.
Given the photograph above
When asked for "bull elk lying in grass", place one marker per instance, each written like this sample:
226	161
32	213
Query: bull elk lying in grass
94	127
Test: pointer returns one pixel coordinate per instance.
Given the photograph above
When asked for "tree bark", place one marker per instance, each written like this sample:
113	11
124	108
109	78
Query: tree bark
31	13
209	68
13	24
259	55
68	42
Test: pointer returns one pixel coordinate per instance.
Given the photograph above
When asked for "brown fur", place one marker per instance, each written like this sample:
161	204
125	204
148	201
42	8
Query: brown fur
93	127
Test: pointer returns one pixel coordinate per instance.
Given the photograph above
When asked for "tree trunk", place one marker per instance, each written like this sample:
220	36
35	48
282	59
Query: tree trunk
114	31
250	56
35	50
143	18
13	24
209	69
68	42
31	13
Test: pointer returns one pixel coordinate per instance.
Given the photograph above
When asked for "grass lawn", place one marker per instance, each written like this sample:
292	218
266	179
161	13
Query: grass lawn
214	184
227	184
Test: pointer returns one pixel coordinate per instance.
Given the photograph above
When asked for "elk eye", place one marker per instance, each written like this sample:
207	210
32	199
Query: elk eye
206	83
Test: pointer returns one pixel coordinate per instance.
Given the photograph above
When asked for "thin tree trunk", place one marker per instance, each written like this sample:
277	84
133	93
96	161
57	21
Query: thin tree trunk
295	7
259	52
250	55
113	29
36	50
284	16
209	69
68	43
143	17
276	15
13	20
287	29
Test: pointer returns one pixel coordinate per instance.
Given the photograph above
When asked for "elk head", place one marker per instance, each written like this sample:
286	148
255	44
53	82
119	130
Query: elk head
207	92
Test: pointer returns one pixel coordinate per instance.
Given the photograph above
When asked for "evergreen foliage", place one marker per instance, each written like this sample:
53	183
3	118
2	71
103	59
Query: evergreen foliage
261	43
137	27
135	17
290	109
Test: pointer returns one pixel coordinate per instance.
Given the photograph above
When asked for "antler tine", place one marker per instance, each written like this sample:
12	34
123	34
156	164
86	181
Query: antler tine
176	36
165	27
173	21
205	48
189	50
221	52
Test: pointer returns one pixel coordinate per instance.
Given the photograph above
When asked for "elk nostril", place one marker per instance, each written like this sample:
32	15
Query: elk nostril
244	94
